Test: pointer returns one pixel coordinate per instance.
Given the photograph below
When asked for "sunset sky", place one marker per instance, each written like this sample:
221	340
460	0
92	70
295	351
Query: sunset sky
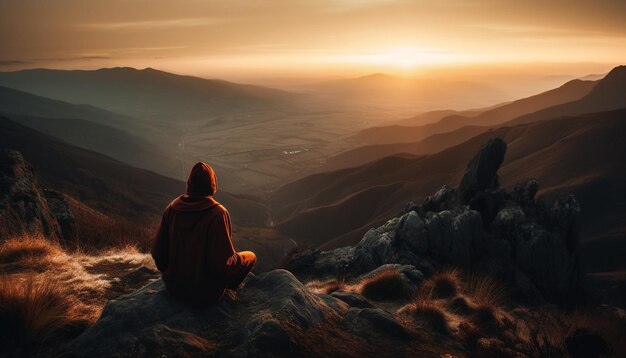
239	39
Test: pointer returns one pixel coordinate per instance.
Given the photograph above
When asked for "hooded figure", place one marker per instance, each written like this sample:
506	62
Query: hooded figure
193	247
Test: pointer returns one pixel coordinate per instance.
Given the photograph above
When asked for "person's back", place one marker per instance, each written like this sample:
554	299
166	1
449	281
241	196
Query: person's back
193	247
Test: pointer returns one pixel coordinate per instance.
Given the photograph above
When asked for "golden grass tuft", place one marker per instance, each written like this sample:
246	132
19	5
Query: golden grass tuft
485	290
48	295
485	319
327	287
385	286
34	311
27	251
429	314
443	284
460	305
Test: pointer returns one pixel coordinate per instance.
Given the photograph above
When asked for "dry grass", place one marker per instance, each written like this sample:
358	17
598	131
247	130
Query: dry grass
97	231
485	290
429	314
460	305
24	247
443	284
386	286
485	319
48	294
327	287
34	312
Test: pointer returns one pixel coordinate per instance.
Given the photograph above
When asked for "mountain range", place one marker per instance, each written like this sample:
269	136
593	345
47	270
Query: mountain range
148	93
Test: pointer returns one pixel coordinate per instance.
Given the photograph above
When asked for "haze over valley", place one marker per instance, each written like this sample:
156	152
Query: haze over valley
415	179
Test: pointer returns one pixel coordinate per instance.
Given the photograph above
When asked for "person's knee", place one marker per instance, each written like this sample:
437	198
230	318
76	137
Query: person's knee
252	256
248	256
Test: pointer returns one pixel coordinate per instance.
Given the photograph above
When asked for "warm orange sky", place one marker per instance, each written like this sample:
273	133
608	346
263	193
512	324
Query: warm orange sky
307	38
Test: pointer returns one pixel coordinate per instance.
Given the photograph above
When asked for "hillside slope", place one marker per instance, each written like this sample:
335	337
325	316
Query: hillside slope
581	155
146	93
570	91
106	184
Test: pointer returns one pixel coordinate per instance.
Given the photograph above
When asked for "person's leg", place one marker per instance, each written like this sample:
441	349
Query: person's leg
245	263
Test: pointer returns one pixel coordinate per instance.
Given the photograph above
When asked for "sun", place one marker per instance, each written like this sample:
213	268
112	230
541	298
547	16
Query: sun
404	58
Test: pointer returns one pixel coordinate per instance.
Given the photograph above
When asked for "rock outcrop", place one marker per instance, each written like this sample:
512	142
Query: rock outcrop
28	208
480	227
256	322
272	315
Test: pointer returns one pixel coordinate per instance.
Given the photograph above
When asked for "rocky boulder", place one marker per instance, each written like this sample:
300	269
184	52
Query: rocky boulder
258	321
28	208
480	173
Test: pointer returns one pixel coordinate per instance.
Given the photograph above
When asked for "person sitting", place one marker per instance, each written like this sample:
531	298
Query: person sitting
193	248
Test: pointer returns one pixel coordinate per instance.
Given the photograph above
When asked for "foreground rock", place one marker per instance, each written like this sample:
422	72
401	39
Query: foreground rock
28	208
255	322
480	227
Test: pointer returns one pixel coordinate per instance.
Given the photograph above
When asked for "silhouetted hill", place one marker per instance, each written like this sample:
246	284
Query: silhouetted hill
417	94
430	144
570	91
15	102
608	94
435	116
147	93
114	135
581	155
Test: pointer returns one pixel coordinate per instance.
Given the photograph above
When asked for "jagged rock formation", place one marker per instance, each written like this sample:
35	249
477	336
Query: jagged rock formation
479	226
28	208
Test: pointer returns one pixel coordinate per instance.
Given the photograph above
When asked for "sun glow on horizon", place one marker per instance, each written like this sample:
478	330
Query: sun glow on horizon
404	58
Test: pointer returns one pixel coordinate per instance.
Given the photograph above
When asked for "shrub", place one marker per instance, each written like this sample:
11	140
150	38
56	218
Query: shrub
388	285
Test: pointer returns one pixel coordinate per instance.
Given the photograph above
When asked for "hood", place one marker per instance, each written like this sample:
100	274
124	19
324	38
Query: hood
202	180
193	203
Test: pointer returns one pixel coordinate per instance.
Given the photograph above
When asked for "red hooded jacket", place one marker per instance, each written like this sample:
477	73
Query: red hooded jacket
193	247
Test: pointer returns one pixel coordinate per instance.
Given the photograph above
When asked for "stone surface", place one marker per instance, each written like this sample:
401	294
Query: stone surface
254	323
480	173
28	208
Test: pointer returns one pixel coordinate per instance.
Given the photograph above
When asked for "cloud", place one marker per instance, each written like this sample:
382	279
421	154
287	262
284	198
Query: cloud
75	58
510	29
153	24
12	62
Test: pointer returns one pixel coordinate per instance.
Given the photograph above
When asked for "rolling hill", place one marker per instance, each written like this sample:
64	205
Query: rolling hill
570	91
582	155
148	93
415	94
111	134
606	94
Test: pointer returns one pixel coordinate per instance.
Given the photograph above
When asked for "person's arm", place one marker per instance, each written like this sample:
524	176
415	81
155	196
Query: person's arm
160	245
221	254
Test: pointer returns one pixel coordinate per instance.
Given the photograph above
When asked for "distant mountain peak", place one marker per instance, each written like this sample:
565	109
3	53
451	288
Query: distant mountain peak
377	75
613	84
